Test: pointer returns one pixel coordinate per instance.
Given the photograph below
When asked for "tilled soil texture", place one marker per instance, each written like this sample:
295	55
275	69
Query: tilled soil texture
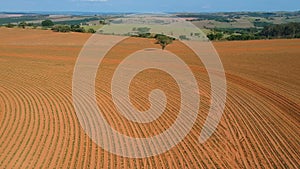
39	127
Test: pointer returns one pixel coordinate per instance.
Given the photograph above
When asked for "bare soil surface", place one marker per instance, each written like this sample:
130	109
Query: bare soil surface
39	127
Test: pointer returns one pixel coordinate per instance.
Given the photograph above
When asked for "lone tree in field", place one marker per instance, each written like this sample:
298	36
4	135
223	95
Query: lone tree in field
47	23
22	25
91	30
164	40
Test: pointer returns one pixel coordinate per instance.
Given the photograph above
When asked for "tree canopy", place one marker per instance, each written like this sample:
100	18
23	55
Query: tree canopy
47	23
288	30
163	40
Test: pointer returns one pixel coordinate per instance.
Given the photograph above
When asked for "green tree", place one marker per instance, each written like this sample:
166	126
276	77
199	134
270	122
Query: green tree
164	40
183	37
102	22
47	23
143	30
91	30
215	36
288	30
10	25
22	25
61	28
77	28
242	37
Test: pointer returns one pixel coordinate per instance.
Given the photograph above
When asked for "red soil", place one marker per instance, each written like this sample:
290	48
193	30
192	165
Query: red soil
39	128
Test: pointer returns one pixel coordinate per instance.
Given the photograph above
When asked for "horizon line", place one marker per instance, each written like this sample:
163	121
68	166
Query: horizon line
70	11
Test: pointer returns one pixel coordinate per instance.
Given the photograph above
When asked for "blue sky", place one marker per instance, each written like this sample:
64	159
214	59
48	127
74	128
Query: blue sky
149	5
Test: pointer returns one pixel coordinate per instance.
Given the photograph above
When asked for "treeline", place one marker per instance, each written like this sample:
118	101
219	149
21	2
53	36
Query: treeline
200	17
231	16
72	28
48	24
21	25
77	22
66	28
274	31
4	21
289	30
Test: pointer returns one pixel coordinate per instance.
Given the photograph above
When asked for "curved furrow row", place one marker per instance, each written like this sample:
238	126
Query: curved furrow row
63	102
270	133
254	129
282	102
43	134
118	124
55	130
49	134
46	97
35	130
112	120
61	112
40	128
6	127
75	132
33	96
70	125
8	118
277	113
236	134
163	128
244	130
6	111
232	140
275	141
192	157
263	144
18	131
86	149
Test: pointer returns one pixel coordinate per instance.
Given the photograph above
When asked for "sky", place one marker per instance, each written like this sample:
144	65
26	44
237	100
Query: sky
148	5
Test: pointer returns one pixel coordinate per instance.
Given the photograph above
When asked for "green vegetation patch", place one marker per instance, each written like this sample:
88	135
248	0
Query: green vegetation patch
77	22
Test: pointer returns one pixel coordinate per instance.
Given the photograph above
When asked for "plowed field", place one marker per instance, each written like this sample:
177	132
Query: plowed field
39	127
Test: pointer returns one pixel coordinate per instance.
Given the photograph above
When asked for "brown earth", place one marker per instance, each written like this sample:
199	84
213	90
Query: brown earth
39	128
